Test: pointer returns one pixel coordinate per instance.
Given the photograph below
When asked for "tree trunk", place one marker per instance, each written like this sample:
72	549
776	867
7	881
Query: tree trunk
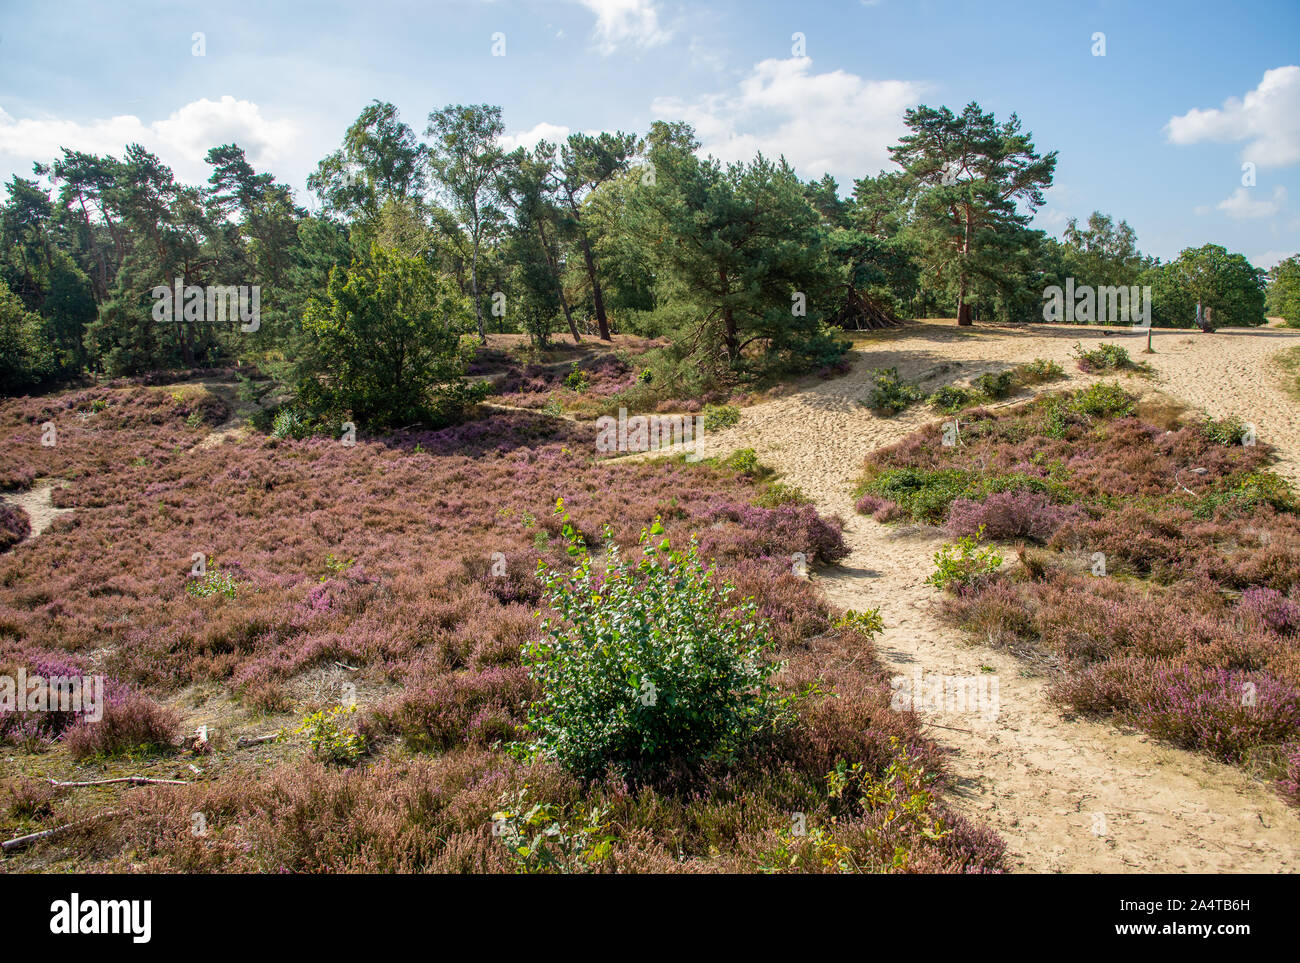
731	337
559	284
963	309
100	290
478	305
597	298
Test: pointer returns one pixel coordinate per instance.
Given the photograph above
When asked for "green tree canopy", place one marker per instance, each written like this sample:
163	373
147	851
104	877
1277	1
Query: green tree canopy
386	343
966	176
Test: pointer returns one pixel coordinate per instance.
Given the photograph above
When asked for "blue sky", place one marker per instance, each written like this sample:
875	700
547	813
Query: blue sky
1155	132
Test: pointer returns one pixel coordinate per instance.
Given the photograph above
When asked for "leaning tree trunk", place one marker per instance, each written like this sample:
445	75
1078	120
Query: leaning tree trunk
559	284
597	298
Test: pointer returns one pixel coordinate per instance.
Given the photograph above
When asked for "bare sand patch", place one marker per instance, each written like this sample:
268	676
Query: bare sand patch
38	503
1068	794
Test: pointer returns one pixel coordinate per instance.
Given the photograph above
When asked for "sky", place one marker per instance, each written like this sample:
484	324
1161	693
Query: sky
1154	107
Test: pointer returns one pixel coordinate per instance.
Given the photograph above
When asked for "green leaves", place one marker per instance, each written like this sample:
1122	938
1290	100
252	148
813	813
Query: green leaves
387	342
963	563
647	663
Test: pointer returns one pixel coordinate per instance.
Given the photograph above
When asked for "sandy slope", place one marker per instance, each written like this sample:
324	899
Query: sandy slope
1038	778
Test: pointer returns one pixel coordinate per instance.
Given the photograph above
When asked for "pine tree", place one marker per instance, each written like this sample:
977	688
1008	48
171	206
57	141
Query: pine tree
966	176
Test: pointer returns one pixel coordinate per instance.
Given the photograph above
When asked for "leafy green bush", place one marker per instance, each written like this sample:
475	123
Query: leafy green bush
1056	421
1103	400
288	423
995	386
745	461
963	563
1038	371
543	838
890	394
330	741
576	379
1108	357
645	665
1227	431
776	494
717	417
905	792
868	622
212	582
951	399
1246	494
385	344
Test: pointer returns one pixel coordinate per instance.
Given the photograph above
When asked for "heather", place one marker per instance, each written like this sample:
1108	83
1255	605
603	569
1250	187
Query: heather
1156	562
404	566
14	525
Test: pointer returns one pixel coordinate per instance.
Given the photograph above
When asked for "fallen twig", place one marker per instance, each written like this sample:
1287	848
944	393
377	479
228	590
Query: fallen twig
132	780
952	728
11	845
243	742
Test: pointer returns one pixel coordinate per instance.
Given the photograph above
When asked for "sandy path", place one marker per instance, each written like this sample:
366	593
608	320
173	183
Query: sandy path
1067	794
37	502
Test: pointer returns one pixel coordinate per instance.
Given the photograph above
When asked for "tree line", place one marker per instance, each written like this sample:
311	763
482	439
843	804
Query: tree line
422	243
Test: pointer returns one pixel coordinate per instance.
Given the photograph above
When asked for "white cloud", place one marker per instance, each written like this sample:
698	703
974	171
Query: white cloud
181	140
1268	117
554	133
1270	259
620	22
1242	204
834	122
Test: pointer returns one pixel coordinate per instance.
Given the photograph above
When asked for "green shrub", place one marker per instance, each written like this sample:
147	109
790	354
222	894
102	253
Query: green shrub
385	344
744	461
576	379
1108	357
717	417
995	386
1103	400
904	792
1227	431
890	394
868	622
1246	494
544	838
925	494
963	563
1038	371
212	582
776	494
288	423
1056	420
646	666
951	399
330	741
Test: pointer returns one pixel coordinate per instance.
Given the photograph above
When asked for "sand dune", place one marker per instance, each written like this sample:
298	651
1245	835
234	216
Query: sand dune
1037	777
